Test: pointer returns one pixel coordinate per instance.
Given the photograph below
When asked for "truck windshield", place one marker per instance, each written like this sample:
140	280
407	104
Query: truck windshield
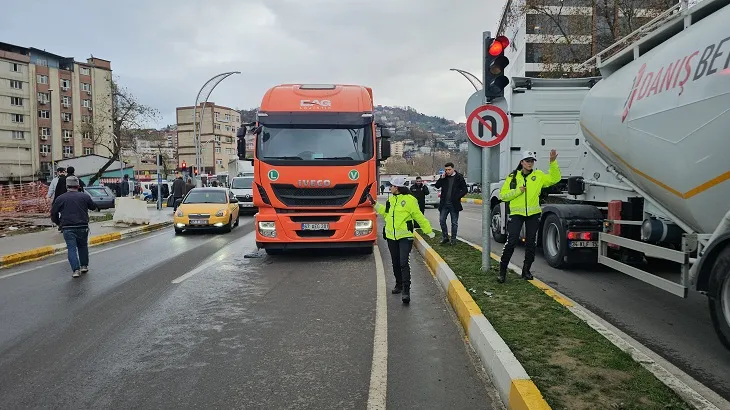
242	183
306	143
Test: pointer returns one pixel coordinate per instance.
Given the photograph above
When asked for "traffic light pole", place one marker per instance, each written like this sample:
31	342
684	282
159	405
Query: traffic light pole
486	189
158	159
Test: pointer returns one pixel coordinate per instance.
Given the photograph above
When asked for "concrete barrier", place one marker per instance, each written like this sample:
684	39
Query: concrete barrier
131	211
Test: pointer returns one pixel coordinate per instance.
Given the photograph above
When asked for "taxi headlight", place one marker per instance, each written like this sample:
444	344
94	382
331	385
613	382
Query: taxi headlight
180	213
220	213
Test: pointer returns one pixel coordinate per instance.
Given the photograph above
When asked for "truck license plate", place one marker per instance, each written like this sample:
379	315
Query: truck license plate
315	227
584	244
198	222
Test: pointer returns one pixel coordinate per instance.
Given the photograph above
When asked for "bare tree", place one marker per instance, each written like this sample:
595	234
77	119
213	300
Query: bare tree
117	125
569	32
425	165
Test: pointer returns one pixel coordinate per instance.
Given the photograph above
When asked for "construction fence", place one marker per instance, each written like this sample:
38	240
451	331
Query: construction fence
24	200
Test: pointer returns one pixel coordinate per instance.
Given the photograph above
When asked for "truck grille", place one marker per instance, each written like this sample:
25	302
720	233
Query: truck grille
290	195
244	198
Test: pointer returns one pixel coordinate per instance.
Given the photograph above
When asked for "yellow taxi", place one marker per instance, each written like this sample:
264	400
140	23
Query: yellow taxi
207	208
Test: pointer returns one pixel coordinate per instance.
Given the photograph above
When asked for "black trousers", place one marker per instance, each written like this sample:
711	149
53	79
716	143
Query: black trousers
400	252
423	211
514	226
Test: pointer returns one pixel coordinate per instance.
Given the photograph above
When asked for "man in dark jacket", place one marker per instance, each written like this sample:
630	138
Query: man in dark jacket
420	191
71	171
178	190
453	188
73	208
124	188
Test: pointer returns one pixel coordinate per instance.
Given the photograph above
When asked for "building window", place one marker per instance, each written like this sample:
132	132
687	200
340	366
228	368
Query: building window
44	133
43	98
557	53
218	150
67	134
43	62
66	101
88	150
217	116
219	161
18	135
17	118
18	85
218	126
42	79
86	103
16	101
15	67
87	135
44	114
68	150
45	149
85	87
85	71
65	84
66	116
86	119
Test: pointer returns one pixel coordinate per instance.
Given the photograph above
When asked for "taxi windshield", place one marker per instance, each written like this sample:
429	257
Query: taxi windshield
206	197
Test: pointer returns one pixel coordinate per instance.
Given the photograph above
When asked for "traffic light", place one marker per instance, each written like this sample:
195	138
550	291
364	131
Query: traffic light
184	165
495	63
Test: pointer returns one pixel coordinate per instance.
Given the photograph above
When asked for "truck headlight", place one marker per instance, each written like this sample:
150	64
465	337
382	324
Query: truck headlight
267	228
363	228
220	213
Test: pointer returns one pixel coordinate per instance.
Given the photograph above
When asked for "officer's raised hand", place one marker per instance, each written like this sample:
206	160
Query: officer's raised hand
553	155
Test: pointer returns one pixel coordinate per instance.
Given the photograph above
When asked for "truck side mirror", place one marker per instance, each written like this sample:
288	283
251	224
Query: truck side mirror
384	149
241	143
385	132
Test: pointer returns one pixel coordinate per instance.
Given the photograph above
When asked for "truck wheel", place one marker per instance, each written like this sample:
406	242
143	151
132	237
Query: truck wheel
554	241
720	303
497	234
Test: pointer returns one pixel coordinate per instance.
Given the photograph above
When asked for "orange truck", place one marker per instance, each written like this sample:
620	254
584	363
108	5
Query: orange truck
316	159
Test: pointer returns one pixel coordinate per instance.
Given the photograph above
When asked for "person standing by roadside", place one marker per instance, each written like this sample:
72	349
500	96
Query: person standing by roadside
124	186
178	190
420	191
400	213
71	171
453	188
71	212
54	183
189	185
522	190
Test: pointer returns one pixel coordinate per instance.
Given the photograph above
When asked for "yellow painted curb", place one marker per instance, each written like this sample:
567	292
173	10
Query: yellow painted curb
464	305
524	395
109	237
433	259
33	254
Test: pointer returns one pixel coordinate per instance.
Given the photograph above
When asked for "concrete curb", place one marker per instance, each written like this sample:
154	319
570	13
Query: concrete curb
515	387
31	255
472	201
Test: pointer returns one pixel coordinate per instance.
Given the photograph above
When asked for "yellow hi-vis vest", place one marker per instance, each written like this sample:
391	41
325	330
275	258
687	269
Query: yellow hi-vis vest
399	214
528	203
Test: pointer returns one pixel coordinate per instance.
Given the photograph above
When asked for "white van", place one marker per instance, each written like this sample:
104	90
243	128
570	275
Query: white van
242	188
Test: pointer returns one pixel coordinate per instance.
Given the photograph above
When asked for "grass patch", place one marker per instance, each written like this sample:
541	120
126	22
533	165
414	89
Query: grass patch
573	365
101	218
473	196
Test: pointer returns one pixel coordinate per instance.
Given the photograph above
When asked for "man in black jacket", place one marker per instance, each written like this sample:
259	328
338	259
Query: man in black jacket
420	191
453	188
70	211
178	190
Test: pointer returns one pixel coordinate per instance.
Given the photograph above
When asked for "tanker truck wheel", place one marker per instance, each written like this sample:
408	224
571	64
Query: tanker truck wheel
497	234
720	303
554	241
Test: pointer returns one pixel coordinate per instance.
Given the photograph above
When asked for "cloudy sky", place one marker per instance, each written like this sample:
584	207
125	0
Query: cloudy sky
164	50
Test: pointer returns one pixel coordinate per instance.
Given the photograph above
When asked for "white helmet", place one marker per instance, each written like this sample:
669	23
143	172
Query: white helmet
529	154
398	181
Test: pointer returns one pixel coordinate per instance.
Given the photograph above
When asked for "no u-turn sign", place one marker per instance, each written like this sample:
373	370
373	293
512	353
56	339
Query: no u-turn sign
487	126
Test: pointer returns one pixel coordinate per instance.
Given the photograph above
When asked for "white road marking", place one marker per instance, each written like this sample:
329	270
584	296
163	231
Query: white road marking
229	249
379	369
90	253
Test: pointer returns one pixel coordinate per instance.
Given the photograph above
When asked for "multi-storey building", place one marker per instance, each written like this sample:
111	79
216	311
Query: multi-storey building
44	100
537	30
217	136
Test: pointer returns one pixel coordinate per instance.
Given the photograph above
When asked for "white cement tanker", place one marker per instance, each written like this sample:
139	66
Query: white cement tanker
650	178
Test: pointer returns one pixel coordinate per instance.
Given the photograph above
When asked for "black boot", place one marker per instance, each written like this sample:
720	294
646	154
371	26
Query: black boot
444	241
406	298
526	275
397	289
502	275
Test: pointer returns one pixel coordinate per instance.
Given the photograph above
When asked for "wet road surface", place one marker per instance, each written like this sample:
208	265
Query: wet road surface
167	321
677	329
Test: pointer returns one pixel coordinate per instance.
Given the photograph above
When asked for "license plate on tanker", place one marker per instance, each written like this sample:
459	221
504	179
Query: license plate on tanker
315	227
584	244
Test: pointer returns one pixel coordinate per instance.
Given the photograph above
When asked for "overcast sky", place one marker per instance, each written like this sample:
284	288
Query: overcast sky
164	50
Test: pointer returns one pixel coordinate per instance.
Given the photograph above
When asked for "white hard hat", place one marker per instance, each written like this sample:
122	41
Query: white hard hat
398	181
529	154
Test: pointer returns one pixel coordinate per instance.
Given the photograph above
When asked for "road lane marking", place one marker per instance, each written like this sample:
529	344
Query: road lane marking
216	258
379	369
90	253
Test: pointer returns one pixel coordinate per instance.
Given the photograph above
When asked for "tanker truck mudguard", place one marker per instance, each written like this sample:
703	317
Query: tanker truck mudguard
644	157
315	162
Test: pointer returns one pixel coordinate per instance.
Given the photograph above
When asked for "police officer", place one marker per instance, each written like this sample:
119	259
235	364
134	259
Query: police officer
522	190
400	213
420	191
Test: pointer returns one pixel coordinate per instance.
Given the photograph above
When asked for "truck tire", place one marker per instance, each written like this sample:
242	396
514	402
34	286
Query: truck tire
719	299
554	241
498	236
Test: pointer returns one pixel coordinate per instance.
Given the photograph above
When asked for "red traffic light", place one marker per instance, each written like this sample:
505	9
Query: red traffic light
498	45
184	164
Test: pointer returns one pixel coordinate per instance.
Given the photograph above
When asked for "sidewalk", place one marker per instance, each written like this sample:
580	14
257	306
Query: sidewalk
52	238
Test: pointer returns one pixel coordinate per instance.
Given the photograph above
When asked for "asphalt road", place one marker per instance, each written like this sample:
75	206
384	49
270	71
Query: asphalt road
167	321
677	329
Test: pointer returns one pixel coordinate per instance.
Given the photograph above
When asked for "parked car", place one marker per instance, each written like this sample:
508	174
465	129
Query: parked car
434	196
102	196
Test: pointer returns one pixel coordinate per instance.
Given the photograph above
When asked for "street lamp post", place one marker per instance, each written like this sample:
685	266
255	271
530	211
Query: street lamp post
205	90
50	131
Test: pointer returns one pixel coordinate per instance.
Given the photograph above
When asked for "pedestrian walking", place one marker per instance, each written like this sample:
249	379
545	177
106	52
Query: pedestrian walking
124	186
522	190
71	212
453	187
178	190
400	213
71	171
54	183
420	191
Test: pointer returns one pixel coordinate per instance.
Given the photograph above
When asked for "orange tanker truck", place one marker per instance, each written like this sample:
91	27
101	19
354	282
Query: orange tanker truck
316	159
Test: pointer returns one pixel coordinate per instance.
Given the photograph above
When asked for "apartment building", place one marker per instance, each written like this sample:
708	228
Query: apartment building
217	136
44	100
537	31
